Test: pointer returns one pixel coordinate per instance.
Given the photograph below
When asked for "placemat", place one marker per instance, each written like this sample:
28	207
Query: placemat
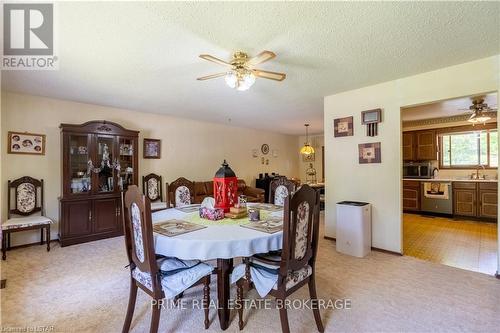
172	228
270	225
189	208
268	207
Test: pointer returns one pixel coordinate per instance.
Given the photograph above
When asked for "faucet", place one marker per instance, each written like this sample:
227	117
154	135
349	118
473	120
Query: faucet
477	172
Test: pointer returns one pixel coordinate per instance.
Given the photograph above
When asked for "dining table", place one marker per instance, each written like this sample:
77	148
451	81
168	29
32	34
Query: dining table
221	240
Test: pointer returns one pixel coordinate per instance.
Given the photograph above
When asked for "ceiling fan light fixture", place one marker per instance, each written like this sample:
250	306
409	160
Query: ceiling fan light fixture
231	79
478	109
240	80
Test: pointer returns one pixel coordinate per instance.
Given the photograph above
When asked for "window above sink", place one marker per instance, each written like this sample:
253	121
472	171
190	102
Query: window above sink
468	149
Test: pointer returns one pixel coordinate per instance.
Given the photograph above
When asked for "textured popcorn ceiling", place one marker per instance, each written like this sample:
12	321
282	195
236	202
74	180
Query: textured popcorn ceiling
144	56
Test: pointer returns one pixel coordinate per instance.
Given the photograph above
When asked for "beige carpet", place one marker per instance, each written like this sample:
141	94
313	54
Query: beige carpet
84	288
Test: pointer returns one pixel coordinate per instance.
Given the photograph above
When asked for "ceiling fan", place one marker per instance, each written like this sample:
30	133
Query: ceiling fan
242	74
479	110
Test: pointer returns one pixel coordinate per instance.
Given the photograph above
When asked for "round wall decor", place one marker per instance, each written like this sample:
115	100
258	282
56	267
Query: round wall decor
264	149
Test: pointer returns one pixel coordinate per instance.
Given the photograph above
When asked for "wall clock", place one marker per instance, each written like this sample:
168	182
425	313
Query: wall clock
264	149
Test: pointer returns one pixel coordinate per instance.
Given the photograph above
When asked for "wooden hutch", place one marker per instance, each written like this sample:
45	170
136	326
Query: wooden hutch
99	161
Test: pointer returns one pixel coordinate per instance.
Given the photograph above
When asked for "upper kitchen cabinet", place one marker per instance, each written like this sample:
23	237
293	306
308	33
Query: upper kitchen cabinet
409	146
426	145
419	145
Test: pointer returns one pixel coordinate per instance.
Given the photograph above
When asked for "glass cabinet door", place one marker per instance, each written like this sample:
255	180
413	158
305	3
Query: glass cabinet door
126	160
104	168
79	181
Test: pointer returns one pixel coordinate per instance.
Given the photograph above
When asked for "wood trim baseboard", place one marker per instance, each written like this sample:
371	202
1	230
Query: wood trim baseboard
373	248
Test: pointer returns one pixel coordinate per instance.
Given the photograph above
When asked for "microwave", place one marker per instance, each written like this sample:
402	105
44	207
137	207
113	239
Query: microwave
417	170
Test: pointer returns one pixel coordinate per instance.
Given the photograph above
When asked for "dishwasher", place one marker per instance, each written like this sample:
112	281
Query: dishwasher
437	197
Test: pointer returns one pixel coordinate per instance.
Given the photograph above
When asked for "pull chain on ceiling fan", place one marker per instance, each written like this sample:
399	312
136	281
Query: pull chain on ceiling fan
242	74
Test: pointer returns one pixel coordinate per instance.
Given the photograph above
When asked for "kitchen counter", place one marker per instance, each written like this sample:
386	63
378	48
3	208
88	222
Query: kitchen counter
453	180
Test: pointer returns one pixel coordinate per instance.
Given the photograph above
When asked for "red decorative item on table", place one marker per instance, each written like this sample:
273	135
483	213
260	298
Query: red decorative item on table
225	188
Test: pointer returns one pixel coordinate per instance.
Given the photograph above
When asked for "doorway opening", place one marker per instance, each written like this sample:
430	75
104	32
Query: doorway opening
450	182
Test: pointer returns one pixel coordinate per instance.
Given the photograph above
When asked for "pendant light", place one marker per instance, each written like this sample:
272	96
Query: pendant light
307	149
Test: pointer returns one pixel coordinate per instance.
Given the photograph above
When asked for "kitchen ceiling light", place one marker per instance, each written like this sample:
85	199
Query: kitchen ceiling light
478	108
307	149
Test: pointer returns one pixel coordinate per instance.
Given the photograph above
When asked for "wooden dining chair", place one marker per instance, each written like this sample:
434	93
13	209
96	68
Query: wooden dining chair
181	192
26	211
296	265
159	277
152	187
279	189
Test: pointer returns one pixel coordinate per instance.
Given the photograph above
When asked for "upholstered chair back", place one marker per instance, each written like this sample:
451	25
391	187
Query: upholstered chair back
152	186
181	192
280	188
300	229
138	228
25	196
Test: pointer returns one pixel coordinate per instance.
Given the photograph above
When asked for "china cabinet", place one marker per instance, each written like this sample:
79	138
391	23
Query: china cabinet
99	161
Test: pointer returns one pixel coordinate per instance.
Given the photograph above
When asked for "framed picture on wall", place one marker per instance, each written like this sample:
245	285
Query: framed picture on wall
369	153
26	143
343	127
152	148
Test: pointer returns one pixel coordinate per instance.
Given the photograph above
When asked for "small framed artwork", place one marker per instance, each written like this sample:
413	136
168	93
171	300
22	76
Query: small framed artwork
371	116
308	158
343	127
26	143
152	148
369	153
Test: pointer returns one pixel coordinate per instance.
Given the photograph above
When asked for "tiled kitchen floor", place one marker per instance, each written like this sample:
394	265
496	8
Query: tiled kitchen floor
470	245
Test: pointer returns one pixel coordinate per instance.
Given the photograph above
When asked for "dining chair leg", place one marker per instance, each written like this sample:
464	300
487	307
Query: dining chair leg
206	300
314	299
48	238
285	327
155	317
131	306
239	304
41	235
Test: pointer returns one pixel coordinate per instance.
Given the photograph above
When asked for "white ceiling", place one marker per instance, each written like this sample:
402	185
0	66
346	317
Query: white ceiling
448	108
144	56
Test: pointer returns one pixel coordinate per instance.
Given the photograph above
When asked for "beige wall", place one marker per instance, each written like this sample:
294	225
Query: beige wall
316	141
190	148
380	184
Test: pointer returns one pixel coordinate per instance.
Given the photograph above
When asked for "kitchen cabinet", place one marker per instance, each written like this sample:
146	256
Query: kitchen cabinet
488	200
426	145
464	199
408	146
476	199
411	195
419	145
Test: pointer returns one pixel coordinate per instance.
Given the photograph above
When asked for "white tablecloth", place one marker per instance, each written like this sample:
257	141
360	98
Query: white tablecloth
213	242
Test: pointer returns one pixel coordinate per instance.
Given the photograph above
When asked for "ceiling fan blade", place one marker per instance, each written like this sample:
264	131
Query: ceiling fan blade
269	75
214	59
260	58
213	76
